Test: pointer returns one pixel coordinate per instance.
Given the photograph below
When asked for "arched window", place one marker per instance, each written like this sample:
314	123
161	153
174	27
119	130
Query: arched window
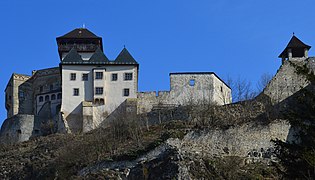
59	96
46	98
53	97
101	101
41	99
96	101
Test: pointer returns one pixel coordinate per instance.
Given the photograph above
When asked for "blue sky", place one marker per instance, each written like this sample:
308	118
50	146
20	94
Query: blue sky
231	38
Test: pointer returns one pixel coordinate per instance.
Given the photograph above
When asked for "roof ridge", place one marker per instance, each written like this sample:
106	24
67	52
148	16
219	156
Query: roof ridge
83	33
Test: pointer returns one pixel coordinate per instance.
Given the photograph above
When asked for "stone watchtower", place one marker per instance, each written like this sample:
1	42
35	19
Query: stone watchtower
295	50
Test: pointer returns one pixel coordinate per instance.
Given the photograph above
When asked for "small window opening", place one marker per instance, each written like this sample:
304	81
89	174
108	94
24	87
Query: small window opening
114	77
85	77
53	97
126	92
21	94
98	75
41	99
102	101
128	77
192	82
75	91
73	76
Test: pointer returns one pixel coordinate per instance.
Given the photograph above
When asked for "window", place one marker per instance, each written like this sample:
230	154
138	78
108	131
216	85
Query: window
40	99
98	75
114	77
128	76
53	97
41	89
192	82
126	92
10	97
59	96
51	87
21	94
46	98
98	90
73	76
76	91
85	77
221	89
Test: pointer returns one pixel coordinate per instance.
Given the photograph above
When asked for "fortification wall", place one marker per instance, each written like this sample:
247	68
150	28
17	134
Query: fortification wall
146	100
18	80
250	140
192	88
287	80
18	128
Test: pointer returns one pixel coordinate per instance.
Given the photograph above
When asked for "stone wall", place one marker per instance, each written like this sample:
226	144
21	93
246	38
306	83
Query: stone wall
17	128
14	92
146	100
187	89
287	80
22	90
248	140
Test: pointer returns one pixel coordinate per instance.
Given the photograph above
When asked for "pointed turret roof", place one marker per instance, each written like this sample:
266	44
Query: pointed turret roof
294	43
125	57
72	57
81	33
98	56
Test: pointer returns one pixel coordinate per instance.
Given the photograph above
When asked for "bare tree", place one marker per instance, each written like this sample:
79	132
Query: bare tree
241	89
263	81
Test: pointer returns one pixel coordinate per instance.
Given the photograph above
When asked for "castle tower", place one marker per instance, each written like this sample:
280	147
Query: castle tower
92	85
82	40
295	49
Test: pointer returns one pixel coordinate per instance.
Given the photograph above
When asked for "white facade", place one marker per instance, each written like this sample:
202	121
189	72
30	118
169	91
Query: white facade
113	90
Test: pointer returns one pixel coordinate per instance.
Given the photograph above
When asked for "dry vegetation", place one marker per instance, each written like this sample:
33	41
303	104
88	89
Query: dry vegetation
63	155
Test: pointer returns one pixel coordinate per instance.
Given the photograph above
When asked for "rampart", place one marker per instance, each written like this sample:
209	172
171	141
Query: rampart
17	128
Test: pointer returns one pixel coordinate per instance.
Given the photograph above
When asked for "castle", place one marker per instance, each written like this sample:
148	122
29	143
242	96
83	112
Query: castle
87	87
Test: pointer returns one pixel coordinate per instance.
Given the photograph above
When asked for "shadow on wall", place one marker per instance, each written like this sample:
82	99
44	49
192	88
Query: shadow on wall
125	109
296	109
75	119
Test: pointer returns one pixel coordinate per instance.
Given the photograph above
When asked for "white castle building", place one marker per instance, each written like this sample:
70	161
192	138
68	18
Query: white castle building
87	87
